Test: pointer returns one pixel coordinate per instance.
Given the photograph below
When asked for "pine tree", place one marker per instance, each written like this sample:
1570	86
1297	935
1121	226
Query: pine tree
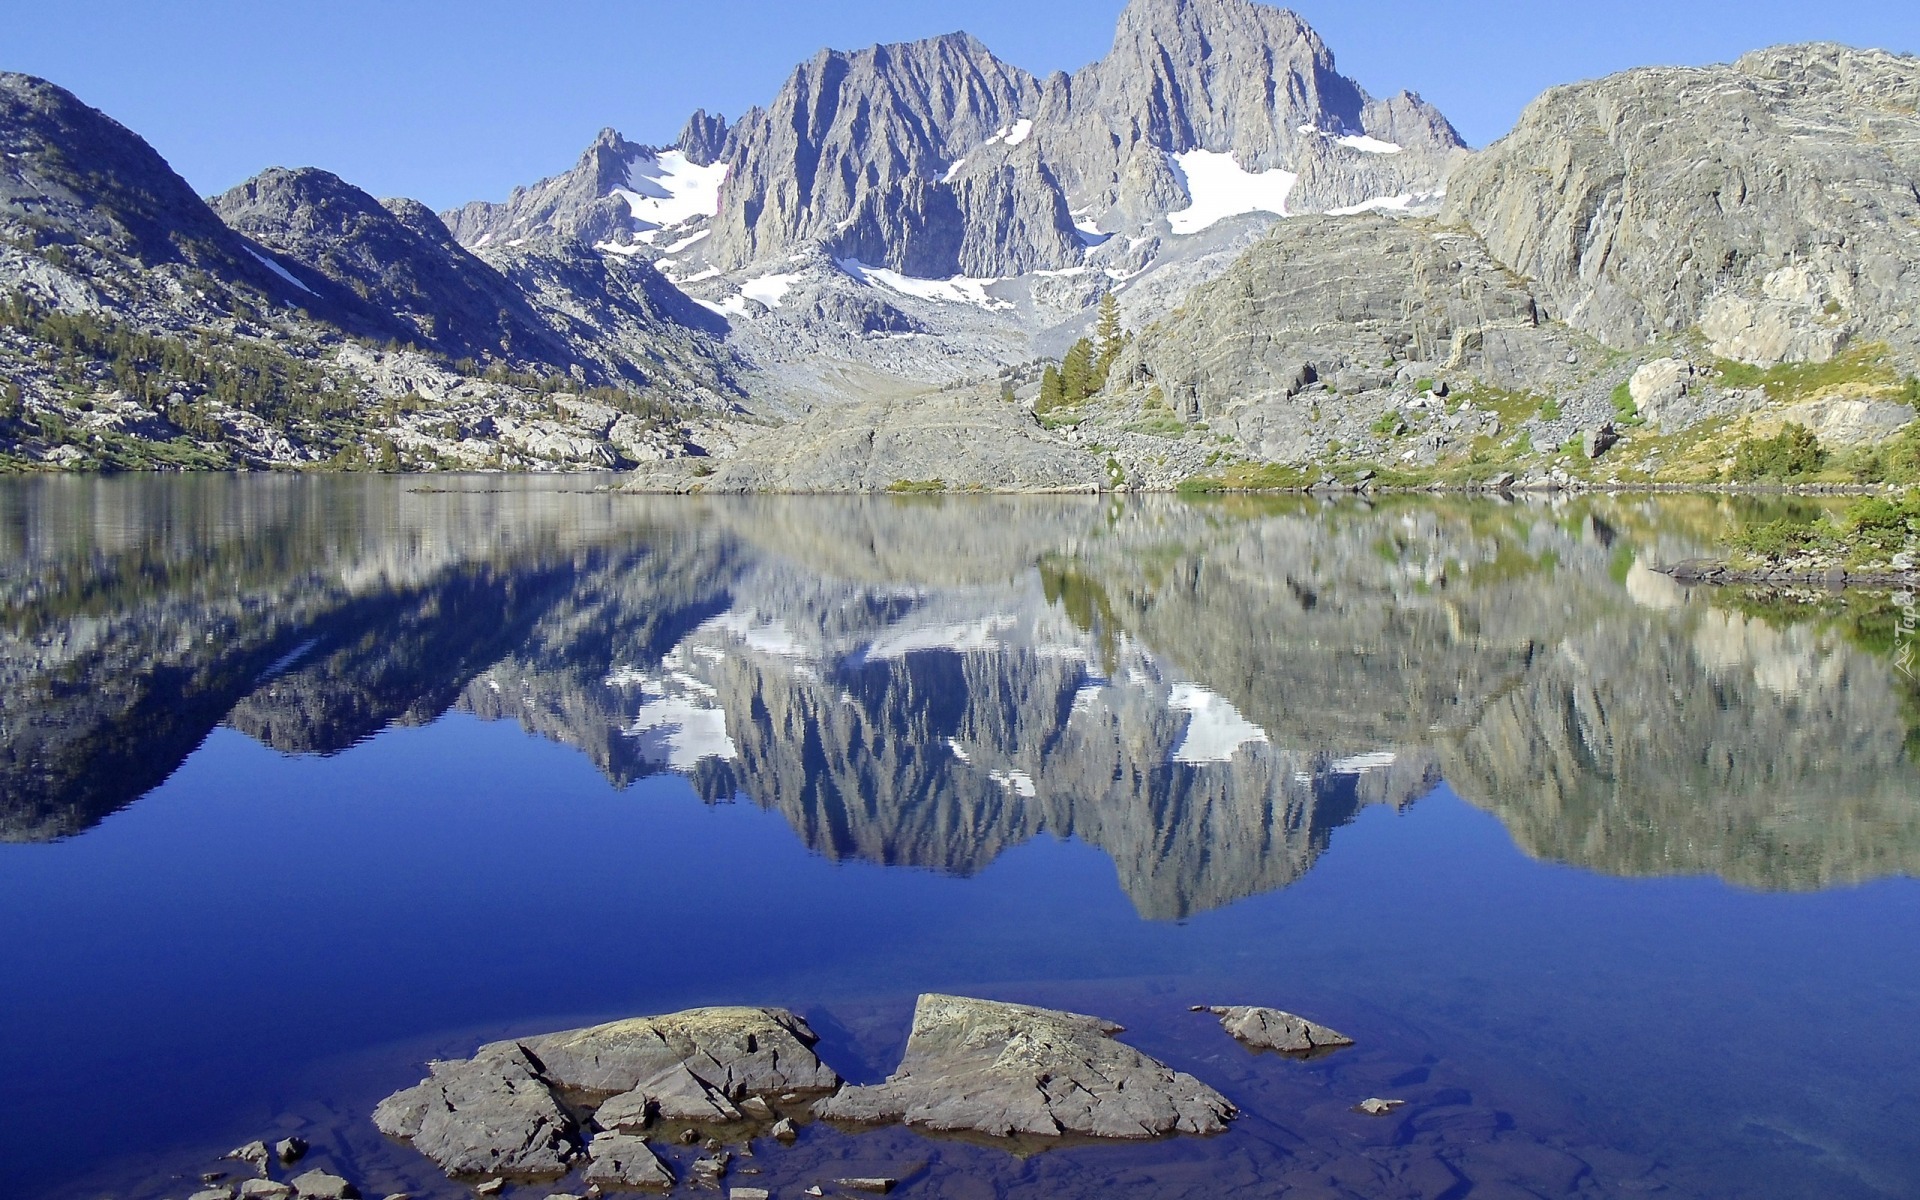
1106	334
1052	395
1076	373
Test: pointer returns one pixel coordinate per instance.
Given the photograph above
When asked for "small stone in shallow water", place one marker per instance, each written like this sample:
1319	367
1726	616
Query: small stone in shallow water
290	1150
689	1136
623	1160
758	1109
1272	1029
877	1185
783	1130
321	1185
749	1193
492	1187
219	1193
254	1154
1378	1108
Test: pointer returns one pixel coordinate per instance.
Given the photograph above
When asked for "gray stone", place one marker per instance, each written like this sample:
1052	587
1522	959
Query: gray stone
673	1095
876	1184
784	1131
748	1193
1596	442
1007	1069
731	1052
265	1189
1377	1107
290	1150
254	1154
491	1187
1272	1029
493	1114
323	1185
624	1160
213	1193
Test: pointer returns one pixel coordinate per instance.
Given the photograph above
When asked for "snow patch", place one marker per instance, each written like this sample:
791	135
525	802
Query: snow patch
281	271
688	242
1377	204
1368	145
1215	728
958	290
1018	132
670	189
769	290
1222	188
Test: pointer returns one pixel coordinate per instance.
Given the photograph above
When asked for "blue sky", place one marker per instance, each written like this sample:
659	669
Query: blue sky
450	102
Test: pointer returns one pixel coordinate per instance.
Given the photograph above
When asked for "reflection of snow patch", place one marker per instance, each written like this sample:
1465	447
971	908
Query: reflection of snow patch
680	733
972	635
1215	728
1018	782
958	751
768	637
1220	188
1360	764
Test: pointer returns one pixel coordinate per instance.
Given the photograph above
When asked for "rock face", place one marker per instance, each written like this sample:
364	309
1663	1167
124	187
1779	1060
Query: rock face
398	258
1271	1029
1010	1069
580	205
1335	313
867	138
499	1113
1769	202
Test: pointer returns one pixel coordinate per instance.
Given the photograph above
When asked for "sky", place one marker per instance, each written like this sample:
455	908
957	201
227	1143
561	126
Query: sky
449	102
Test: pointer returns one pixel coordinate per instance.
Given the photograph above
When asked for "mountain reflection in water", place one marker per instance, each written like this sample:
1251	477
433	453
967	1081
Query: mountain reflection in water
1203	691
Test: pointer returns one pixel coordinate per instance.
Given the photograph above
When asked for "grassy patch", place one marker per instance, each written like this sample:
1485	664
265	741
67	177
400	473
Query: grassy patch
1862	368
916	487
1250	477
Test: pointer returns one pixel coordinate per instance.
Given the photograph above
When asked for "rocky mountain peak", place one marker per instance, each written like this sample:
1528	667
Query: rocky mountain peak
704	140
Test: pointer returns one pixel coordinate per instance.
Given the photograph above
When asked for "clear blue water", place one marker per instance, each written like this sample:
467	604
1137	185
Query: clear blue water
308	781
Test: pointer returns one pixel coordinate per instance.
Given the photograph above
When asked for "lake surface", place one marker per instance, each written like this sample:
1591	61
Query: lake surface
304	781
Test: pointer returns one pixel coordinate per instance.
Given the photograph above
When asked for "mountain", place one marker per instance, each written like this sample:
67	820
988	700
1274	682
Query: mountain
1770	203
876	175
296	321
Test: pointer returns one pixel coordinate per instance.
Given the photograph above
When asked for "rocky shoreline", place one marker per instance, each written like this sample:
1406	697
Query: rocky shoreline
690	1099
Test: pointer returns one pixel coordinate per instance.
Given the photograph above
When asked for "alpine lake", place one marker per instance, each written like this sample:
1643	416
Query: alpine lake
306	781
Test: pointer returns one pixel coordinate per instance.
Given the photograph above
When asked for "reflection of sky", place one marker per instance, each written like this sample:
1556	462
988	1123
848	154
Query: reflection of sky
209	952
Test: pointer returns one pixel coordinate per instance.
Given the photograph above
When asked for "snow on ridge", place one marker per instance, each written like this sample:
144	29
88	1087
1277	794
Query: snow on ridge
1215	728
769	290
958	290
1399	203
281	271
1368	145
1219	187
1018	132
670	189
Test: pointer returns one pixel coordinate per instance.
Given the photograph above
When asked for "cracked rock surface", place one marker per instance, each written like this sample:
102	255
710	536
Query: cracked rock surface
1272	1029
1012	1069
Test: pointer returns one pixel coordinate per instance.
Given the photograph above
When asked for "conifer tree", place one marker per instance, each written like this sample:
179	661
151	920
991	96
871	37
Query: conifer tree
1106	335
1052	395
1076	373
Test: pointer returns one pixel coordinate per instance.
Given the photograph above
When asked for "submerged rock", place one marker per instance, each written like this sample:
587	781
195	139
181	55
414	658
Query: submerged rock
625	1160
492	1114
1009	1069
254	1154
676	1094
1377	1107
1272	1029
265	1189
290	1150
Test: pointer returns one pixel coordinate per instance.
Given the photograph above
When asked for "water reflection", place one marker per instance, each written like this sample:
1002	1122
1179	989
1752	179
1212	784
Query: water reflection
1205	692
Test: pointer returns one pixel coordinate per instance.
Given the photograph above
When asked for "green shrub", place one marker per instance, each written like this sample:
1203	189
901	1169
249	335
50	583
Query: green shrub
1791	454
1784	537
